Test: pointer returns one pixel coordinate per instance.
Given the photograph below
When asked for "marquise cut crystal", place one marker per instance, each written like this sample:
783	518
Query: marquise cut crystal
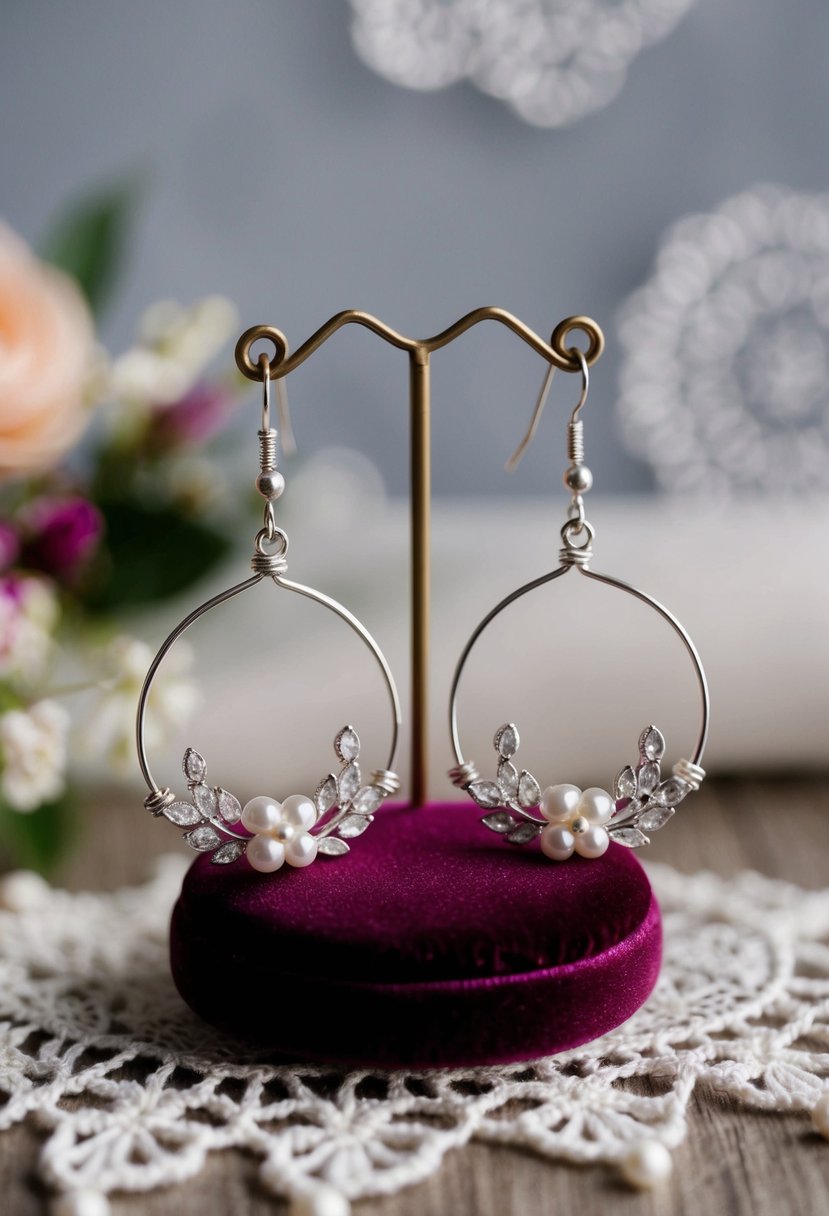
347	744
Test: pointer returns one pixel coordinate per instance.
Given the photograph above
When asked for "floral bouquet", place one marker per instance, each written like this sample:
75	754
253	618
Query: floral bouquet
108	503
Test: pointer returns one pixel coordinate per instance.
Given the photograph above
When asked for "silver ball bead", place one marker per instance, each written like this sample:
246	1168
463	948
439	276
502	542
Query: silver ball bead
578	478
270	484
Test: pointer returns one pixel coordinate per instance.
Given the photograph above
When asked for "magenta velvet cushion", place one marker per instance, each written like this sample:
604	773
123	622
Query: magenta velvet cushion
433	943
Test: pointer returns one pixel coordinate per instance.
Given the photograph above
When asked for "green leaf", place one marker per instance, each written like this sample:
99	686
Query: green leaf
10	698
88	242
153	554
37	840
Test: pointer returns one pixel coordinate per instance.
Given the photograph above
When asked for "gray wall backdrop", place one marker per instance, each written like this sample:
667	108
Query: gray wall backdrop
280	171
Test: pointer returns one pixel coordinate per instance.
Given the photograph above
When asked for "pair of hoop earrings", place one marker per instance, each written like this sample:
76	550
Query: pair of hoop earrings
567	820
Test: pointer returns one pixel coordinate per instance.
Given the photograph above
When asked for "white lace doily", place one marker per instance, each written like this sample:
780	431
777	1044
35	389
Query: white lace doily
132	1091
551	61
723	383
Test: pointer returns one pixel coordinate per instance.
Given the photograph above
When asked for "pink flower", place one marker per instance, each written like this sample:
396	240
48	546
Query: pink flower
46	351
194	418
60	536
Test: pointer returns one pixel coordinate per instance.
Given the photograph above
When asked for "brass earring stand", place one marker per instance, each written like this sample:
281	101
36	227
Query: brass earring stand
557	353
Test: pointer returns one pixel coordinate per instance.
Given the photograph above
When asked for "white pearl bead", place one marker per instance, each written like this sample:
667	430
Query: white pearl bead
557	842
265	854
647	1164
299	811
559	802
820	1115
593	842
81	1202
323	1200
262	814
301	851
596	805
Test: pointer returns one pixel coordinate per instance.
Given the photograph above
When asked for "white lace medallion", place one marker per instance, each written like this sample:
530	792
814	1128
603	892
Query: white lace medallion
724	385
551	61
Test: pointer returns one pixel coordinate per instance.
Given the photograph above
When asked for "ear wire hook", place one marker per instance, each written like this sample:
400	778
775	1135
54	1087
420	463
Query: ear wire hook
538	409
265	367
574	425
585	385
283	409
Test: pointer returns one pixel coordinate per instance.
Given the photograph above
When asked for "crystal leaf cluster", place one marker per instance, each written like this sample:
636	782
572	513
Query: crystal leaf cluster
644	801
514	791
209	816
348	803
344	805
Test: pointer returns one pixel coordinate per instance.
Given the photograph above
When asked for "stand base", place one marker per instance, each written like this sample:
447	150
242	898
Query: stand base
433	944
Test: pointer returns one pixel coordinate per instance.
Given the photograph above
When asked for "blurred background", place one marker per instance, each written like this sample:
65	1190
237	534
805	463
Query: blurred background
199	167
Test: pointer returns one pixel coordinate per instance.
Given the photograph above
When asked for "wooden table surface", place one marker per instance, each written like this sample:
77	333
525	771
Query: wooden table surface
732	1161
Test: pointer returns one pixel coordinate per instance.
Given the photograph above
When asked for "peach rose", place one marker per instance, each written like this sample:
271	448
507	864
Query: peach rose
47	341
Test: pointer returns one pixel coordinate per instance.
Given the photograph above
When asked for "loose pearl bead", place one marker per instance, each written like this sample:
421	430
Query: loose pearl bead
596	805
301	851
820	1115
323	1200
579	825
262	814
557	842
593	842
283	832
300	811
647	1164
265	854
558	802
82	1202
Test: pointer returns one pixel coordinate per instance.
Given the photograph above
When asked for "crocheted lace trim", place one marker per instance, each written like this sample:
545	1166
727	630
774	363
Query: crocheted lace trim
132	1091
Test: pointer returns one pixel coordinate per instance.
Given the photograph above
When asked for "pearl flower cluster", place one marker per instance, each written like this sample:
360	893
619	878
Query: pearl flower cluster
280	832
576	821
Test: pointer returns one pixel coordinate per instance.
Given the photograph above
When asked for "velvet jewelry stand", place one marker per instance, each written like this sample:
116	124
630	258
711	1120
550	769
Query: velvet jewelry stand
432	944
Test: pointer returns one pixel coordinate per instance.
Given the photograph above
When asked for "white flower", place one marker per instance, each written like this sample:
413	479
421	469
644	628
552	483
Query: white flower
33	751
29	612
175	345
109	728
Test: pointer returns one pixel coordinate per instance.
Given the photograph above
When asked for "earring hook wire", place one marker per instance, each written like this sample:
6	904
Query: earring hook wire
283	409
538	409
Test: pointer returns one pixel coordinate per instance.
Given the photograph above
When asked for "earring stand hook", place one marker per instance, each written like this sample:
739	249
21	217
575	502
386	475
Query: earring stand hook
557	353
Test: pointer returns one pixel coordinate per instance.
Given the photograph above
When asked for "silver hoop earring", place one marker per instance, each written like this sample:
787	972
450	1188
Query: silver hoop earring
268	832
569	820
